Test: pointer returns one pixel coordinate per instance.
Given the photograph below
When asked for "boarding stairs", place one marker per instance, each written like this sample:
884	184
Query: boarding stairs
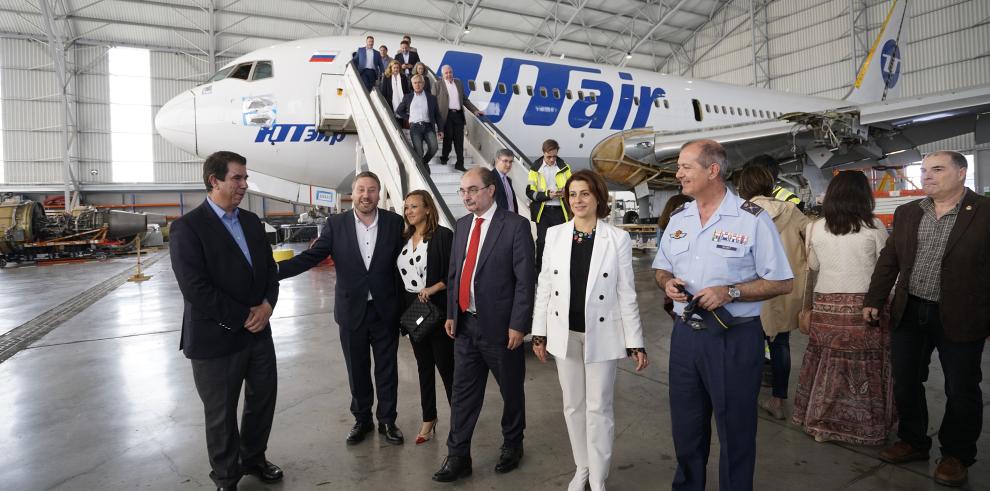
384	148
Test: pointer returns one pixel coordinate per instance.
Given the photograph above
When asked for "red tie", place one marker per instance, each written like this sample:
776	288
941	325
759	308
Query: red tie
467	274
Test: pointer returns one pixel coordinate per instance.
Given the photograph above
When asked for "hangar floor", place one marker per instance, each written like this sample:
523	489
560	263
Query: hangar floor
105	401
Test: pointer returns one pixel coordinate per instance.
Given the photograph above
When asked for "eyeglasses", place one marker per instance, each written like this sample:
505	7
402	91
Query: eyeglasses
471	191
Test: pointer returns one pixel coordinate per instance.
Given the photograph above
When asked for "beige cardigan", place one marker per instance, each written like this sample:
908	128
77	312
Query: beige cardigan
779	314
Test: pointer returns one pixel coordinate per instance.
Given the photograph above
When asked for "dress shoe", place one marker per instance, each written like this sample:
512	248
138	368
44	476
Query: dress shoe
425	436
509	459
267	471
580	480
227	488
775	410
453	468
460	168
951	472
358	431
902	452
392	433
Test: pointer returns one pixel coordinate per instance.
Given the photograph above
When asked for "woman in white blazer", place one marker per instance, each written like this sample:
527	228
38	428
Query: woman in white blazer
586	317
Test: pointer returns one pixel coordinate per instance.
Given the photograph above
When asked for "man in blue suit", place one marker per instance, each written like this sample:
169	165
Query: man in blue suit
505	195
365	245
489	310
369	62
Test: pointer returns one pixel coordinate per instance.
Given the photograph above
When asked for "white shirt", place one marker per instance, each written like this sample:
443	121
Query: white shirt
366	237
549	173
419	110
412	265
369	58
484	232
396	89
454	99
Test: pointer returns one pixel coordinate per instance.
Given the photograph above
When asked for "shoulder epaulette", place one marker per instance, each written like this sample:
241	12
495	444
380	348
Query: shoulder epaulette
679	209
752	208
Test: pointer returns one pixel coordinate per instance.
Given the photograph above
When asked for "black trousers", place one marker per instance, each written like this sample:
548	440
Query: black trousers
453	133
218	381
368	77
372	337
474	358
552	215
433	354
920	331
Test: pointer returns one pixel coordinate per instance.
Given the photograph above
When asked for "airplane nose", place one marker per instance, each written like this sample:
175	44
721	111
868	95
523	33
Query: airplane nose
176	122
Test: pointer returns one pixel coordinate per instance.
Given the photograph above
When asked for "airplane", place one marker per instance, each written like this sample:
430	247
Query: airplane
626	123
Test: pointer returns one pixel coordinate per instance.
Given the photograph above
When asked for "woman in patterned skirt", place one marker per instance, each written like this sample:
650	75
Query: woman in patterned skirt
845	391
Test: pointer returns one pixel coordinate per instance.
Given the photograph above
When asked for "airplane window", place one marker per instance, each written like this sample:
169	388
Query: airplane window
708	108
529	90
580	95
262	70
739	111
747	111
636	100
724	111
472	86
698	115
488	86
594	97
501	88
543	92
222	74
242	71
656	103
569	94
732	111
716	109
666	104
556	93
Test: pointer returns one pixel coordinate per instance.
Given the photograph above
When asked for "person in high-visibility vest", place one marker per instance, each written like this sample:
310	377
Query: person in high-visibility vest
546	193
779	193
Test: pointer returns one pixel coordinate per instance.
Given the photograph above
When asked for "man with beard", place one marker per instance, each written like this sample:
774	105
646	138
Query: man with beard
365	245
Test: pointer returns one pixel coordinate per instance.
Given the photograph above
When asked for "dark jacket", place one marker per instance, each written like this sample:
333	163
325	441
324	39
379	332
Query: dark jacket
431	102
385	87
339	240
438	262
500	193
413	60
537	193
218	285
504	276
965	304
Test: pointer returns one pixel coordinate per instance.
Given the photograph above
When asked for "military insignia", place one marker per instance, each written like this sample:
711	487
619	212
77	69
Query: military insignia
752	208
678	209
679	234
969	207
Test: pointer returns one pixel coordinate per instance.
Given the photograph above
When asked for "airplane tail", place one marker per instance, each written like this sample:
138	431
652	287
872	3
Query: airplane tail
880	73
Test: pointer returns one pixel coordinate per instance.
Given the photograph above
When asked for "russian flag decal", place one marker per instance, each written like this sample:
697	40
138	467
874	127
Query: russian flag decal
323	57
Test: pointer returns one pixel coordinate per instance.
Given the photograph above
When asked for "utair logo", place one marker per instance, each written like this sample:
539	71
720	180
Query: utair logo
890	63
549	93
279	133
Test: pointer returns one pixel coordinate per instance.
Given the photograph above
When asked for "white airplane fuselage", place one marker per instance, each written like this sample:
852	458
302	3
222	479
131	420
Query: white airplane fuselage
272	121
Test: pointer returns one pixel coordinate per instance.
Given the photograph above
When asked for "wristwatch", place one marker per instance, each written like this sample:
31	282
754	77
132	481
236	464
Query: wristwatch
734	293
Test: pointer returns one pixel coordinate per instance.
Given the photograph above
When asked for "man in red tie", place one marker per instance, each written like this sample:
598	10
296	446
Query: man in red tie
489	311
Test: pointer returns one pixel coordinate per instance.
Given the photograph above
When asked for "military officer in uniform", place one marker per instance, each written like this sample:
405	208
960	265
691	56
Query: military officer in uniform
719	258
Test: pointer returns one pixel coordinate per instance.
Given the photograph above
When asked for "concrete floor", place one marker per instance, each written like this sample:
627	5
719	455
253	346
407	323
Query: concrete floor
106	401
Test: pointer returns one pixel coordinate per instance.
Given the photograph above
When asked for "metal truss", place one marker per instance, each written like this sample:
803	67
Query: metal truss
859	34
760	33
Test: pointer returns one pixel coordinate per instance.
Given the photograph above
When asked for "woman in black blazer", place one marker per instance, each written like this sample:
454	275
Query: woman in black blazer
423	271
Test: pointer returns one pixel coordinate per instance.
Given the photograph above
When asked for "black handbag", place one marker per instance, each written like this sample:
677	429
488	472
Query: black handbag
420	319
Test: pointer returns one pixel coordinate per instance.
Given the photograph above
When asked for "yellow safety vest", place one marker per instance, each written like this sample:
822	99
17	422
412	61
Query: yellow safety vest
782	194
537	184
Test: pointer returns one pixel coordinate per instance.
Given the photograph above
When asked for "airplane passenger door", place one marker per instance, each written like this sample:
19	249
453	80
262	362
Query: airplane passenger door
333	110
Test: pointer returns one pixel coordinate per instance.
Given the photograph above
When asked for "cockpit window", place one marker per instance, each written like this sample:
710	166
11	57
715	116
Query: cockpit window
222	74
262	70
241	71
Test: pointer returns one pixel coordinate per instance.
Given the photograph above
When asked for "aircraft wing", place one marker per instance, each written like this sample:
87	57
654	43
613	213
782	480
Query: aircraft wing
878	133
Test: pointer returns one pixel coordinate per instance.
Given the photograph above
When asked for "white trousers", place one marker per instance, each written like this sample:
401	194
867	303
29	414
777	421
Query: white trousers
587	389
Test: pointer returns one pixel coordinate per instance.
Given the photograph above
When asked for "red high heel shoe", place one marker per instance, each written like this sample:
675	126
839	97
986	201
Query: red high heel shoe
425	437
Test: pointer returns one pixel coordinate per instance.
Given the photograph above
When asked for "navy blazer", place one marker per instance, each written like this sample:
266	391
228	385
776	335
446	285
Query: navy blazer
339	241
504	277
413	60
360	55
431	102
218	285
500	193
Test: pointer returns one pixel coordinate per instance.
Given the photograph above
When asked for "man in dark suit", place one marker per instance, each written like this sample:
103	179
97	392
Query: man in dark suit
505	195
492	254
408	58
453	102
225	270
419	108
369	63
938	249
364	245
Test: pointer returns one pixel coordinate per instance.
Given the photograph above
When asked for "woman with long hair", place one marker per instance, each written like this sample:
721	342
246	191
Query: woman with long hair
423	265
845	391
420	69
